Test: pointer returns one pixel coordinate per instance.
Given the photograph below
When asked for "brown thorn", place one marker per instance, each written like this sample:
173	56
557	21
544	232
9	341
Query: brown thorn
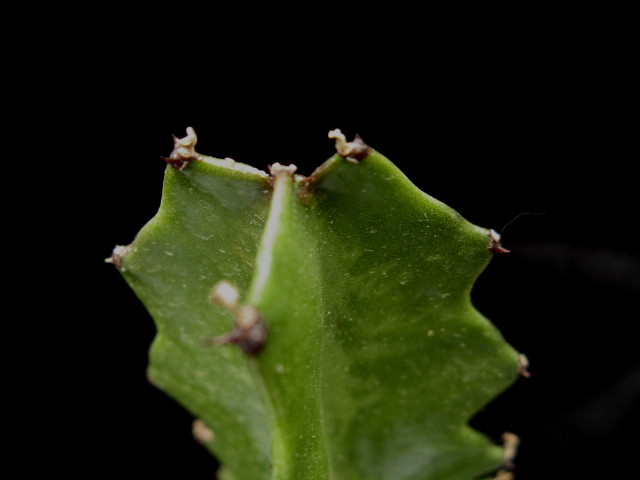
510	442
523	366
353	151
360	149
249	330
201	432
116	256
250	340
183	150
494	242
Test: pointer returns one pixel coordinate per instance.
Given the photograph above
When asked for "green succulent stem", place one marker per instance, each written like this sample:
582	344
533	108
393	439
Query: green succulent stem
288	299
359	354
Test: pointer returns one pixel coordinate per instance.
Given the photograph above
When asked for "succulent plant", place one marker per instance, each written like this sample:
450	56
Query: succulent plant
321	327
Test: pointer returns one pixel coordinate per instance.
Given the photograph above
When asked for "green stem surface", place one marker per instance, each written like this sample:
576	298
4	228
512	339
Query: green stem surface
375	358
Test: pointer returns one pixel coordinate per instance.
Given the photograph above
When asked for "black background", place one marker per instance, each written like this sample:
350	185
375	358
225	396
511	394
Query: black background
493	124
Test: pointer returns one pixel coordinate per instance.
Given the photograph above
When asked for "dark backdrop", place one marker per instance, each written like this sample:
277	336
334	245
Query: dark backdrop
495	129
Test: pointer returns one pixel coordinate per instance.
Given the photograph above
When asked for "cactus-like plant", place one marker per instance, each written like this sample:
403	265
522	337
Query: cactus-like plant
358	356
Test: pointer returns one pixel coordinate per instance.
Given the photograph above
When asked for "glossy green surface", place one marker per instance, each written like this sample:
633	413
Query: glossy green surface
375	358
